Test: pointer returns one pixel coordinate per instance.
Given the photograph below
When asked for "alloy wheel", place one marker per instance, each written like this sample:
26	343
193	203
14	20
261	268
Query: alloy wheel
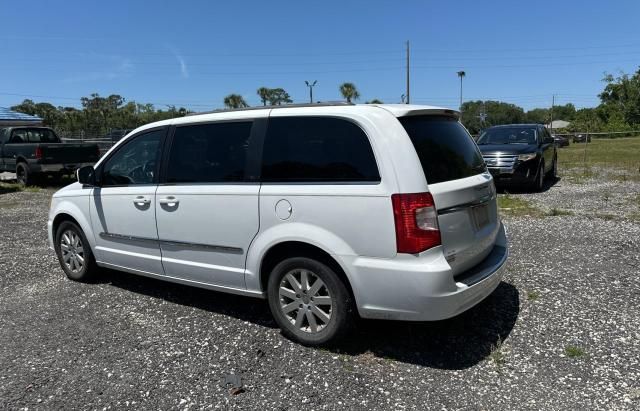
72	251
305	300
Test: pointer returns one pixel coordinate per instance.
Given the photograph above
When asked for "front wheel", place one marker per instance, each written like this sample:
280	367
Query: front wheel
308	300
538	184
553	173
74	252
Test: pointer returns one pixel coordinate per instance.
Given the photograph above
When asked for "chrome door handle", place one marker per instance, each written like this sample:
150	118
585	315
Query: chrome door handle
141	200
170	201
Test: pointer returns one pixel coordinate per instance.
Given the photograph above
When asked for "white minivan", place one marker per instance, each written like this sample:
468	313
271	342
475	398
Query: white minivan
326	210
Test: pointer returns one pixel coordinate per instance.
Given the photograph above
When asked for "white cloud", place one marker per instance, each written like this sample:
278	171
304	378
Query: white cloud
184	70
118	67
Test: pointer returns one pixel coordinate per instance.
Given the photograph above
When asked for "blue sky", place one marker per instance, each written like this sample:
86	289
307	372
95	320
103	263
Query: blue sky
193	53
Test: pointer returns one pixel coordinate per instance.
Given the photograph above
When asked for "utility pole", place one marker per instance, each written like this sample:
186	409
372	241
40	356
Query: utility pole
408	94
553	103
311	85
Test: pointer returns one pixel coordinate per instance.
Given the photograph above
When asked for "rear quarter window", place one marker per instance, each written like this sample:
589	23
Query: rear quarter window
445	148
317	149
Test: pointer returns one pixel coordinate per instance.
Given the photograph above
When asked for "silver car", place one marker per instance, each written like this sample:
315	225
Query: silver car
327	211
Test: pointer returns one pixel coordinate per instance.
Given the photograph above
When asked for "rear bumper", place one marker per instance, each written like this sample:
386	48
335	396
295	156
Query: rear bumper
422	288
56	168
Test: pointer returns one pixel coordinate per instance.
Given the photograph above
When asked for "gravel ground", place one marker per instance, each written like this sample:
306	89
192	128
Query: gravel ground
602	195
561	332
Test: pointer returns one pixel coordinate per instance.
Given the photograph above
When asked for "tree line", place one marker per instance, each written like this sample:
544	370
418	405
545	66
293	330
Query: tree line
619	110
98	115
278	96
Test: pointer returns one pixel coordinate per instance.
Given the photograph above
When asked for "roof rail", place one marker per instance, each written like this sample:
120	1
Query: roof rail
324	104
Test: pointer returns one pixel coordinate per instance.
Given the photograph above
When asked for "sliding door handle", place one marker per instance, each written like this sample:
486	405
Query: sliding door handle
141	200
170	201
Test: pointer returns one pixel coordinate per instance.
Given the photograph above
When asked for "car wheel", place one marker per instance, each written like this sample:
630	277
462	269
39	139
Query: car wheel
22	174
553	173
74	252
309	301
539	182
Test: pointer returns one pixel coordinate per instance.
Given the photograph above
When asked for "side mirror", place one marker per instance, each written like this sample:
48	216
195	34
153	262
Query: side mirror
86	176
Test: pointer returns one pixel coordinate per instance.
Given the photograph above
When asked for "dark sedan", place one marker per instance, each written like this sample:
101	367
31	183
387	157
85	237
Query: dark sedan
561	141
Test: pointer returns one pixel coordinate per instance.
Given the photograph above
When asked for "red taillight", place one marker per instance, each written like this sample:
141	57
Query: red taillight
416	222
38	153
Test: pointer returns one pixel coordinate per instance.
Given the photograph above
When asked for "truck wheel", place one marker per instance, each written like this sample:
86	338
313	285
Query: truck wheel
22	174
309	301
74	252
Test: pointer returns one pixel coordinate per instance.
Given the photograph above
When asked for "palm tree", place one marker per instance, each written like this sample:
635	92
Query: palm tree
277	96
461	74
235	101
349	91
264	93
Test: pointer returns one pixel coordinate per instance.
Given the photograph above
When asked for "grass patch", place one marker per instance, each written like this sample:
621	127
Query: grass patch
497	355
533	295
621	155
558	211
14	187
605	216
573	351
516	206
10	188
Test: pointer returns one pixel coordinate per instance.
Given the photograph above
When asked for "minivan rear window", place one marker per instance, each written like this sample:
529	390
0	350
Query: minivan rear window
445	148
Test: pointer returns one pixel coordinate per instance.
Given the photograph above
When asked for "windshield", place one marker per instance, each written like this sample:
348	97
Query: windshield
508	135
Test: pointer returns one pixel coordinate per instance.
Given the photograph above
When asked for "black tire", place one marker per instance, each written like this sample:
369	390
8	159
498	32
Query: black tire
538	184
553	173
78	253
23	176
341	311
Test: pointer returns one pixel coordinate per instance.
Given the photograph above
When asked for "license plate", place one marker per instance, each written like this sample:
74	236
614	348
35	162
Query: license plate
481	216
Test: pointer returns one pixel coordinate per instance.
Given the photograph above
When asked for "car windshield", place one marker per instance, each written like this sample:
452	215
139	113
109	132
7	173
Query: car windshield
508	135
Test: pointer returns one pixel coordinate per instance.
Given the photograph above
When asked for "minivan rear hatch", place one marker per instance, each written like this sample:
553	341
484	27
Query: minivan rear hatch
462	189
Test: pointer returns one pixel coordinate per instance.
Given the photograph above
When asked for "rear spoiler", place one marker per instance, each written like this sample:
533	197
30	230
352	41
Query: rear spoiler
442	112
399	110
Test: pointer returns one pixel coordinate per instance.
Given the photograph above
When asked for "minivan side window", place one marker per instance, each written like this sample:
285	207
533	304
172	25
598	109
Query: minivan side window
209	153
317	149
134	163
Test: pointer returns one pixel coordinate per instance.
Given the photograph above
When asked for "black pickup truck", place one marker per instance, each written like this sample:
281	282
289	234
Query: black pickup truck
519	154
35	152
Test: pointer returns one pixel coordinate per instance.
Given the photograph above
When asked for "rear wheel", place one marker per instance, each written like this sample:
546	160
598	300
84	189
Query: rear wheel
309	301
22	174
74	252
